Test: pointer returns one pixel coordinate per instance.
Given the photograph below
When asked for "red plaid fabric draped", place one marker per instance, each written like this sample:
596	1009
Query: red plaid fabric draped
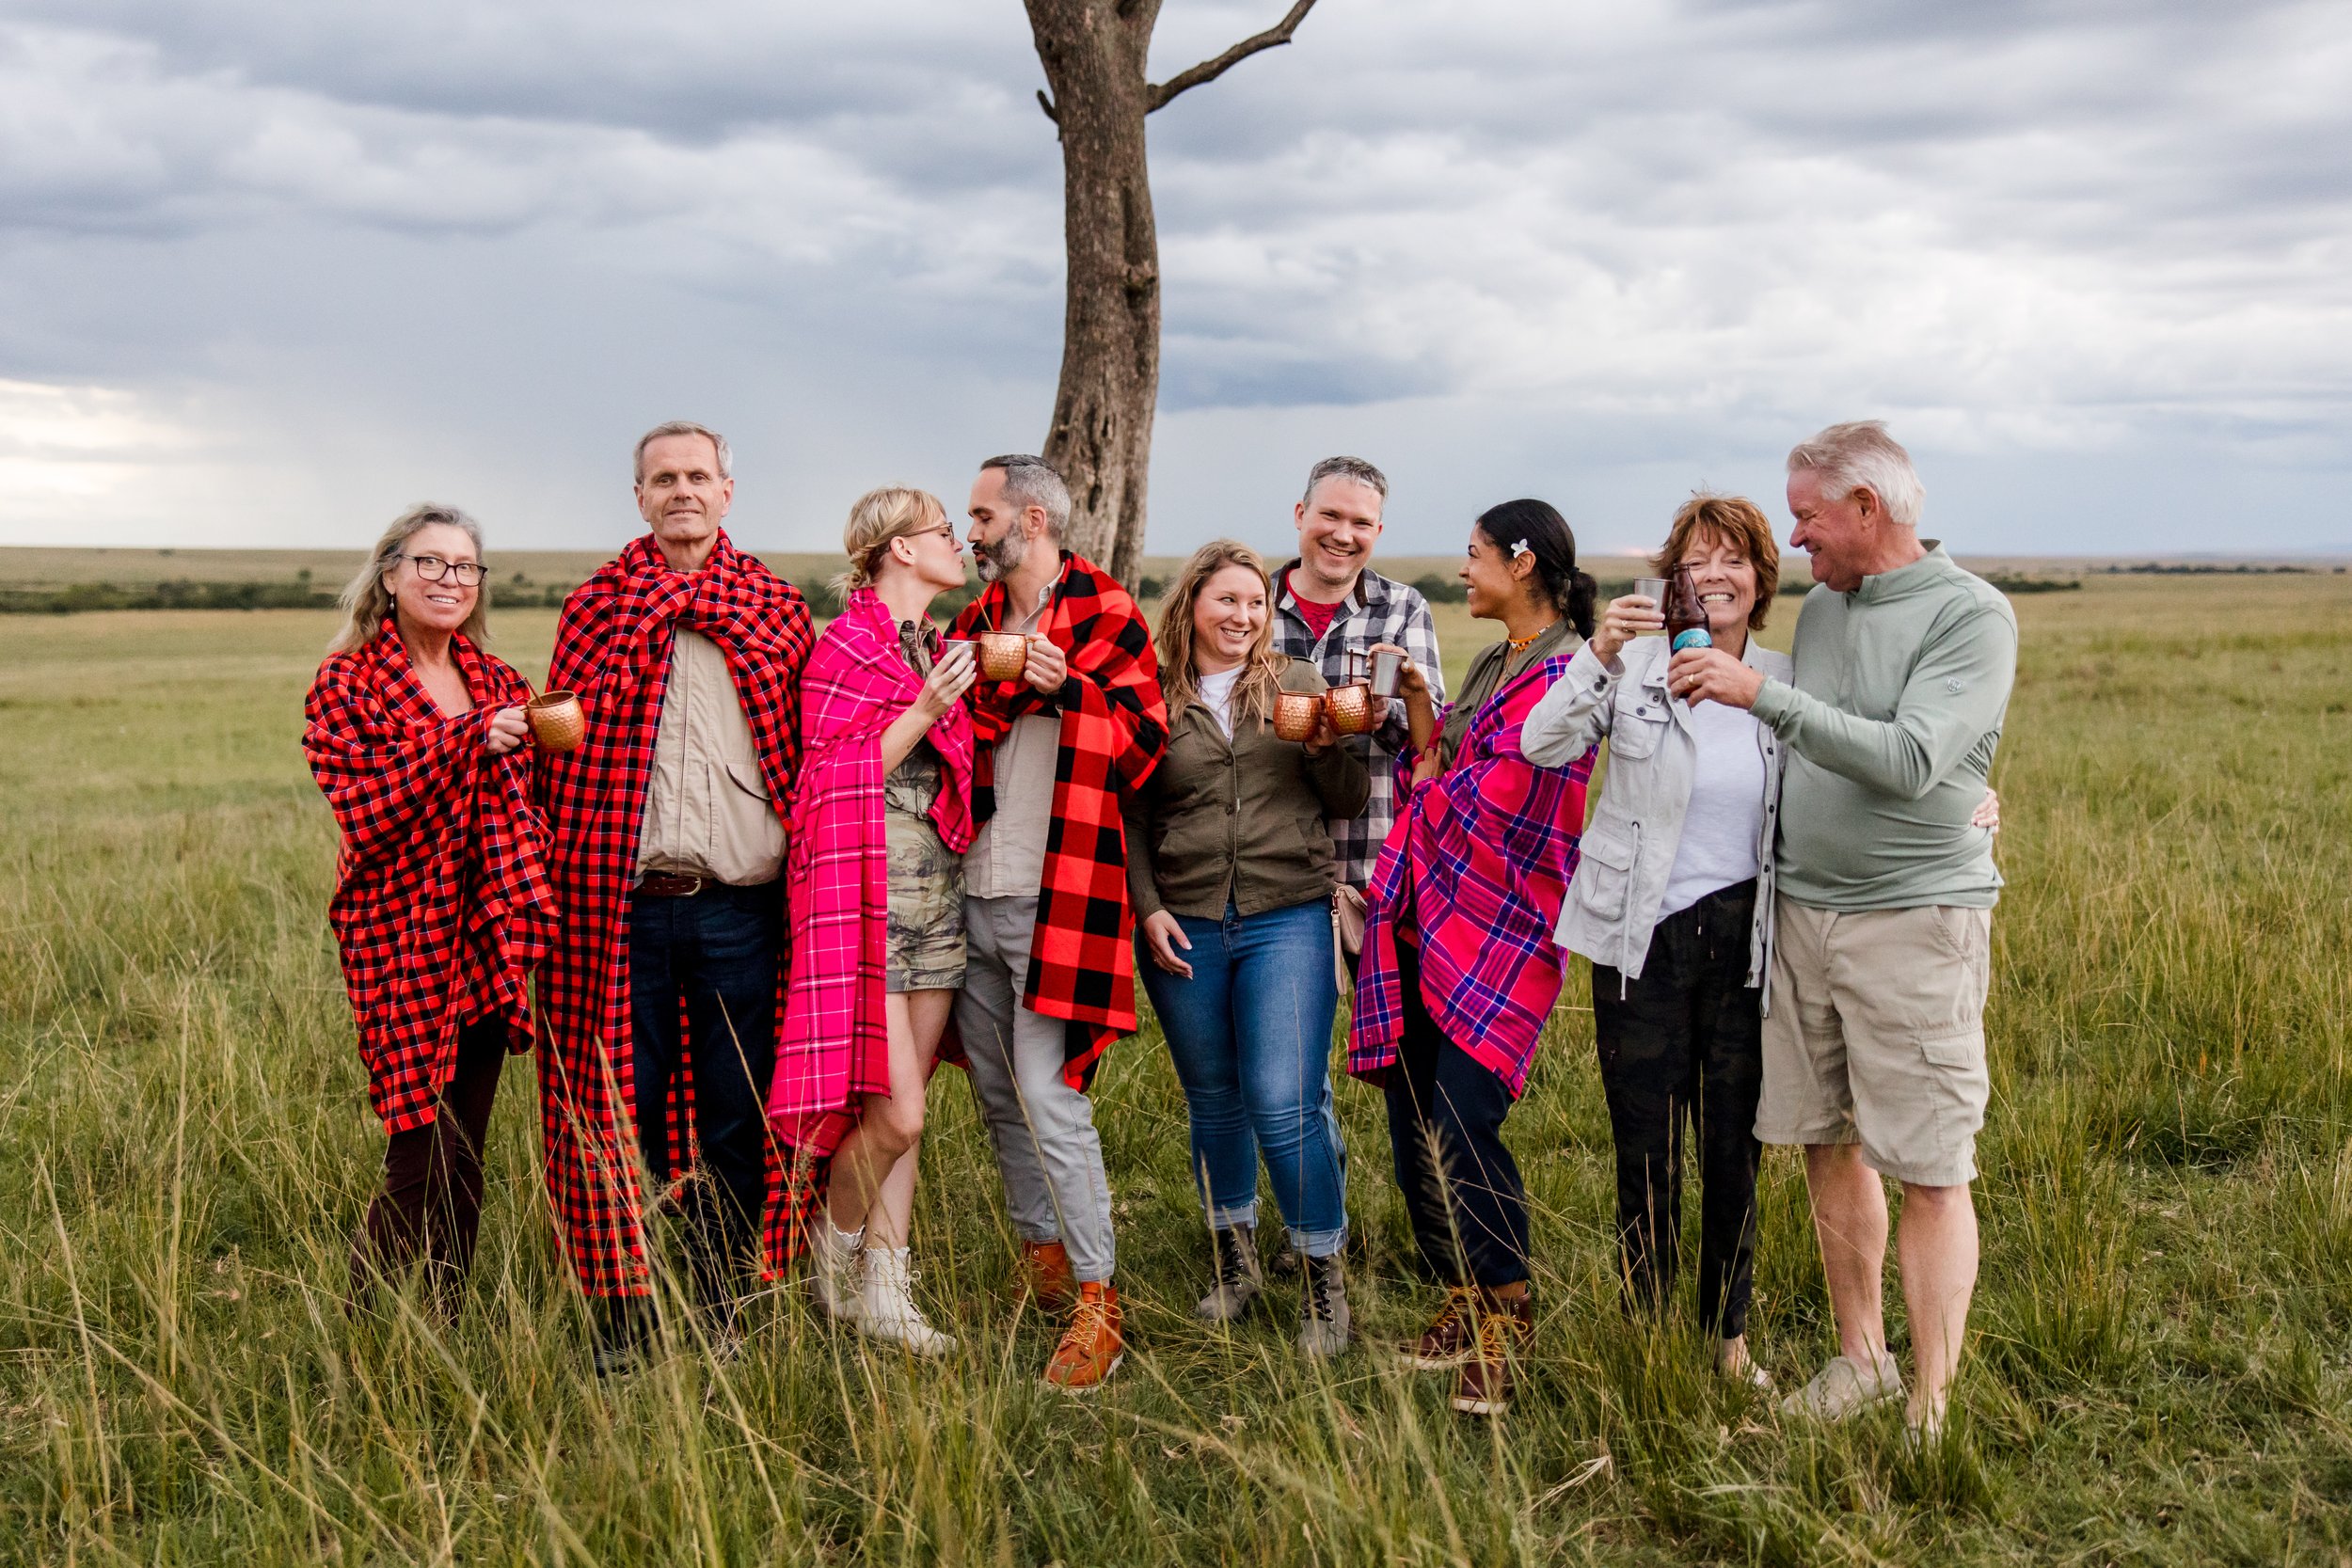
612	648
1114	728
1477	864
441	895
834	1044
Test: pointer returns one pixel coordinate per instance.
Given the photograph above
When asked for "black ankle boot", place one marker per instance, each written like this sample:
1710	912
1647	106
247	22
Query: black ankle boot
624	1324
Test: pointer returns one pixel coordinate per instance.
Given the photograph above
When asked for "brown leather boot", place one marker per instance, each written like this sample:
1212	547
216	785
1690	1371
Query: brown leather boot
1092	1346
1445	1344
1045	1277
1506	1326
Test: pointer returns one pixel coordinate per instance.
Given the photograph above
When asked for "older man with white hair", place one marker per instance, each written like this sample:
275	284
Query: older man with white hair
1874	1055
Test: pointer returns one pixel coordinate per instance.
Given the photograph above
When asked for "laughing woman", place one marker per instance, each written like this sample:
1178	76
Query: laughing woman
882	817
1459	971
1231	871
441	901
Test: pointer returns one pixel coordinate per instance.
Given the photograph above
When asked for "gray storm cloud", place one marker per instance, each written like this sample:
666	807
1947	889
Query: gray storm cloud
269	271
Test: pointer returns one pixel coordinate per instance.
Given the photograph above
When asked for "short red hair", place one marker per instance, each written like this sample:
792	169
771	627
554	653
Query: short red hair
1740	523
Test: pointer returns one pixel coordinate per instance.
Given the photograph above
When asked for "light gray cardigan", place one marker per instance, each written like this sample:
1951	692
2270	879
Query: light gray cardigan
1629	847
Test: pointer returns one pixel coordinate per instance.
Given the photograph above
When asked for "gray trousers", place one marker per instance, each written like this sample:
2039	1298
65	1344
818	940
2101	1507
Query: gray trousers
1043	1129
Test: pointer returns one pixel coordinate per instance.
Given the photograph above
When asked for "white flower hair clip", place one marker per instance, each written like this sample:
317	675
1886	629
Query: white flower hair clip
1519	548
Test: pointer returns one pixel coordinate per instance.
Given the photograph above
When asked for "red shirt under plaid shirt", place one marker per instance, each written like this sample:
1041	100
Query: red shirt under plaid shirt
1379	610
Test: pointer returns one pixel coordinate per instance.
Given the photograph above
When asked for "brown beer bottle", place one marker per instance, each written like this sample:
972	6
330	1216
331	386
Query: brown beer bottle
1686	617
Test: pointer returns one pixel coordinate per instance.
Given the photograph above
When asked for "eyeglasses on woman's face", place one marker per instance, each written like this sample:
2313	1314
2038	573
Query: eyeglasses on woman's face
432	568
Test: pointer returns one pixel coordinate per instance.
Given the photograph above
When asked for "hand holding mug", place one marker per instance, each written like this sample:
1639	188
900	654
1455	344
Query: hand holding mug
1047	668
508	729
950	679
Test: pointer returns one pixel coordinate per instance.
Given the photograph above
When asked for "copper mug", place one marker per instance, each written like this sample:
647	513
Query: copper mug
1353	711
557	722
1003	655
1296	715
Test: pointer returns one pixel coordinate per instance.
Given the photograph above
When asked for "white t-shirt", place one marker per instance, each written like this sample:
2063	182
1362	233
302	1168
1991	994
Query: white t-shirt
1726	816
1217	691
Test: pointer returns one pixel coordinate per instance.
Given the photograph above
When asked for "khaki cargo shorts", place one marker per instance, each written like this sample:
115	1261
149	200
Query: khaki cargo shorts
926	940
1876	1035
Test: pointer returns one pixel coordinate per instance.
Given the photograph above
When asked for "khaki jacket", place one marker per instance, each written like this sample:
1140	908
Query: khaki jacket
1239	821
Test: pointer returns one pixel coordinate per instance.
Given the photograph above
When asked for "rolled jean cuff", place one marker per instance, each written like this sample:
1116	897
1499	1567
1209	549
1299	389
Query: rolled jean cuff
1318	1244
1222	1218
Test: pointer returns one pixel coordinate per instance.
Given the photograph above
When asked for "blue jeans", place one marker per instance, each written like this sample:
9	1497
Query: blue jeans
720	952
1250	1035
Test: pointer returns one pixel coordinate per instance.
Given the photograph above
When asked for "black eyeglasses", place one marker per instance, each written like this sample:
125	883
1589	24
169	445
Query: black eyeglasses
469	573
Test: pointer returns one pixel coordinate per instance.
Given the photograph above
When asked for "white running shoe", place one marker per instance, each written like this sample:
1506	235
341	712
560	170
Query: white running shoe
886	1306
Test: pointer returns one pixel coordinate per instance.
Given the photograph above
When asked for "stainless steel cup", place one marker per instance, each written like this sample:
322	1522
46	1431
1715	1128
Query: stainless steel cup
1387	664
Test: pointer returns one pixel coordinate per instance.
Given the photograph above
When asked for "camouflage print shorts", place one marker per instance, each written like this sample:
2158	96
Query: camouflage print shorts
926	906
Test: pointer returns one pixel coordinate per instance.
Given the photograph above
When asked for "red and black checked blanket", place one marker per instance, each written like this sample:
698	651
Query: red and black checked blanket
441	895
834	1045
1114	728
612	648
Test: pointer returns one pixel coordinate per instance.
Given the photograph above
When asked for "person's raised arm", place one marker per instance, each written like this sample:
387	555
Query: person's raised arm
1573	714
942	688
1956	694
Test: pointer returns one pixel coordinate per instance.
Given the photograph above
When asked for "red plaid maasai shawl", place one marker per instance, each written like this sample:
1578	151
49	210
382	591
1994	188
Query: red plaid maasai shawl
834	1045
612	648
1114	727
1478	863
441	897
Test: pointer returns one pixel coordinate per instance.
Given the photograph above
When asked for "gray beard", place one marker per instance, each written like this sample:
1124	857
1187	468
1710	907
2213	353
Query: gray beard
1001	559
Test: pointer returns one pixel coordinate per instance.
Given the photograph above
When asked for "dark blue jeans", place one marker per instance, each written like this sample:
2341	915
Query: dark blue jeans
719	953
1250	1035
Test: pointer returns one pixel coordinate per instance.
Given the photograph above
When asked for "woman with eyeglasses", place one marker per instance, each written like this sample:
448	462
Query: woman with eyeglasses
1459	973
441	901
881	817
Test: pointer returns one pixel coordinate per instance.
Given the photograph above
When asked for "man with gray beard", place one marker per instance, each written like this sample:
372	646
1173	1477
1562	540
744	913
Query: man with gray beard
1049	982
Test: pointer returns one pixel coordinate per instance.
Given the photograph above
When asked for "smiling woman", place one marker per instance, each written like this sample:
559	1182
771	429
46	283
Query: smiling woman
368	599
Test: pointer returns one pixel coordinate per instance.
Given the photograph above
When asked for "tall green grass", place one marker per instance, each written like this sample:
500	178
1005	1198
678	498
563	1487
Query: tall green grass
2159	1370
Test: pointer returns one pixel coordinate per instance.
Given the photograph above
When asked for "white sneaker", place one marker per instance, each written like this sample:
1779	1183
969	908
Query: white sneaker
886	1307
833	1278
1844	1386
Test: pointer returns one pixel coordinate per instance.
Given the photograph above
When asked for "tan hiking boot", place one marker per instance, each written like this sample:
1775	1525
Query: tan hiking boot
1237	1281
1445	1344
1045	1277
1505	1328
1323	1320
1092	1347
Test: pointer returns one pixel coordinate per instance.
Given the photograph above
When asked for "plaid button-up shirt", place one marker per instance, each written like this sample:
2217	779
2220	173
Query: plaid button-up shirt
1381	610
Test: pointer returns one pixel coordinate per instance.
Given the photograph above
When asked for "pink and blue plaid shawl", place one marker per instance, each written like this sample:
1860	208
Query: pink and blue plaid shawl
834	1044
1478	864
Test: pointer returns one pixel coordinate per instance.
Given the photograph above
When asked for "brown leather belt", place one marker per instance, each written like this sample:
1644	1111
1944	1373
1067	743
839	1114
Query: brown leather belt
669	885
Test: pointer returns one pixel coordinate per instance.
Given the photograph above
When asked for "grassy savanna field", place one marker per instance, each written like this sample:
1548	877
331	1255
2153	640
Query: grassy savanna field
2158	1370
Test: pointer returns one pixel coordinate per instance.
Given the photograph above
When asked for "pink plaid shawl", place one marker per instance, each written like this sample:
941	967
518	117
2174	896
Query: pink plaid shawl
834	1044
1478	864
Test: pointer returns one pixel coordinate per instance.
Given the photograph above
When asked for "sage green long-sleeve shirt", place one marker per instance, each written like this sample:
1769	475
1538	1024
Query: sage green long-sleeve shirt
1896	708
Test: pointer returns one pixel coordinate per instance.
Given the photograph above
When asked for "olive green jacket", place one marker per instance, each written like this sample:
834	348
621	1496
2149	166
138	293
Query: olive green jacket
1239	821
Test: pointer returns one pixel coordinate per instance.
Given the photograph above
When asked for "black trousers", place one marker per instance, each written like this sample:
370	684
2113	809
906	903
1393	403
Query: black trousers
1686	1041
719	953
431	1202
1461	1186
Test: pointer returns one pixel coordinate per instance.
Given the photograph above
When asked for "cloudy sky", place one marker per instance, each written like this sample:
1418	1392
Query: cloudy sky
272	269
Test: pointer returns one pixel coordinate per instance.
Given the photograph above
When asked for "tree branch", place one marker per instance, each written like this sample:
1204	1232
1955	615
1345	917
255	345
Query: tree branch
1047	105
1157	96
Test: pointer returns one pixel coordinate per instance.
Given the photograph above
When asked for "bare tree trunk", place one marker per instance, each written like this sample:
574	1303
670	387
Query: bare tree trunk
1095	54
